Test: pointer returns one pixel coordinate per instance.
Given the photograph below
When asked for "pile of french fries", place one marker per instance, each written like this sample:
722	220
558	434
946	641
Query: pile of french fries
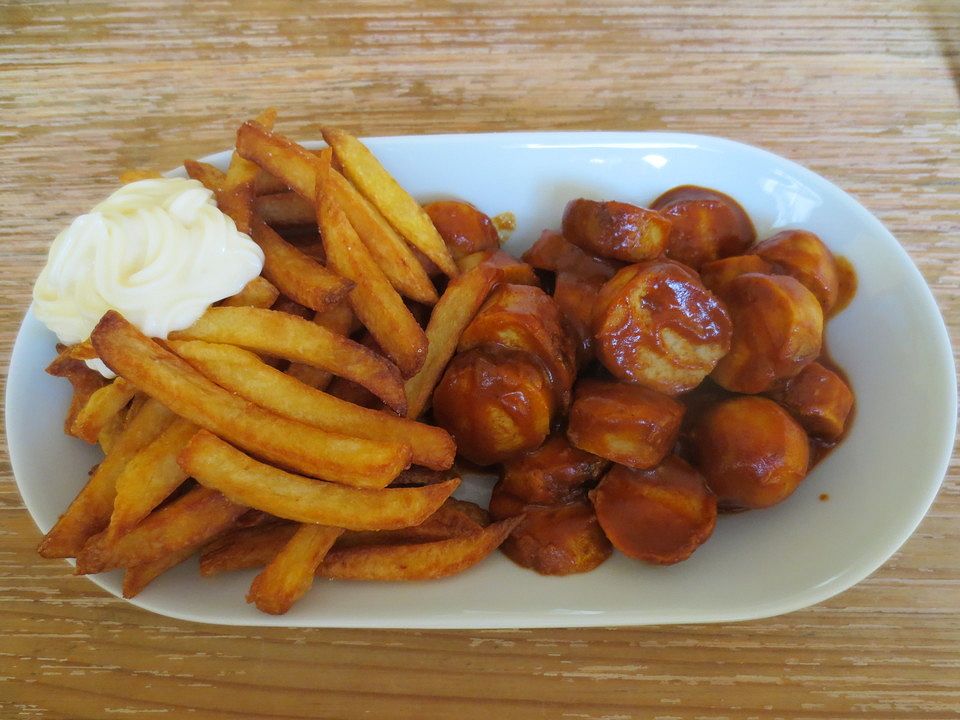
223	439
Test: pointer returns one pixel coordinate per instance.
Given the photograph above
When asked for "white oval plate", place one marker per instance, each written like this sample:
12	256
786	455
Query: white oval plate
891	340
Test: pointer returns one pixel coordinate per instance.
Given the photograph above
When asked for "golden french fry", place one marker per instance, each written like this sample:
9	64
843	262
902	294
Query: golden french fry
450	317
129	176
294	273
338	319
81	351
386	194
453	518
259	292
149	478
189	521
242	170
267	184
245	374
286	305
100	408
388	249
291	164
290	574
285	208
84	381
422	561
299	169
212	178
282	335
111	431
171	380
246	547
137	577
373	298
309	376
252	547
236	200
313	249
297	275
90	511
220	466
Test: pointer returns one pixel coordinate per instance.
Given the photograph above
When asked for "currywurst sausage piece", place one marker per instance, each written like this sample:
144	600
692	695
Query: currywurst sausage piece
656	325
464	229
615	230
707	225
524	317
802	255
777	331
552	539
553	473
752	453
628	424
496	402
717	274
660	515
819	399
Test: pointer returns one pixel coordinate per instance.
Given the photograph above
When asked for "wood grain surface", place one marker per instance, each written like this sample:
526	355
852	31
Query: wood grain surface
865	93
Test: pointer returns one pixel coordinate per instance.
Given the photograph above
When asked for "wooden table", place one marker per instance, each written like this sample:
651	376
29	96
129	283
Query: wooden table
865	93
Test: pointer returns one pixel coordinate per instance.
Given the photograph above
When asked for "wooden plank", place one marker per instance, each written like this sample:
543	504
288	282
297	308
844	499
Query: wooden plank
862	91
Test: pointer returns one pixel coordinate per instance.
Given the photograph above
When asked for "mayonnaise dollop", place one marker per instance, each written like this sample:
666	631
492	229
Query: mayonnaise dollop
160	252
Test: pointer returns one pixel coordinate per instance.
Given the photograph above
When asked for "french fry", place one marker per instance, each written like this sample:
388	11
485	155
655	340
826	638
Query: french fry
259	292
247	547
416	475
451	519
137	577
450	317
100	408
245	374
290	574
294	273
111	431
300	169
150	476
84	381
473	511
165	376
267	184
215	464
297	275
212	178
422	561
288	306
373	298
253	547
309	376
236	200
285	208
187	522
281	335
81	351
338	319
291	164
385	193
313	249
352	393
388	249
90	511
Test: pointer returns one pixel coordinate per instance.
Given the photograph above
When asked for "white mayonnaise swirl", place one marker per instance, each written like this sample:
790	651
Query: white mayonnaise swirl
159	252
